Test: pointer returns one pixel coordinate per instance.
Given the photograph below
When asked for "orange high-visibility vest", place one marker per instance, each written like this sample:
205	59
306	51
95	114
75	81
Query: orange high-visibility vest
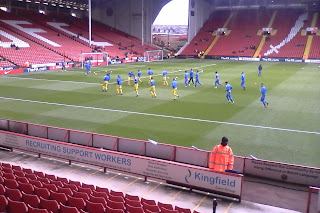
221	158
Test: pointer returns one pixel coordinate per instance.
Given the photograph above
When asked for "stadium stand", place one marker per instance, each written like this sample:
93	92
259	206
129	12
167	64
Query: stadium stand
288	33
205	35
58	197
315	51
242	38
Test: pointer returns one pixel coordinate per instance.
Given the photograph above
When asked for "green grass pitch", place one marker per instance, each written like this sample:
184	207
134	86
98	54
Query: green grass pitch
287	131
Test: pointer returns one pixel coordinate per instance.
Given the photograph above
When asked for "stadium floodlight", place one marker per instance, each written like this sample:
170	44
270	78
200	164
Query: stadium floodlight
153	55
153	142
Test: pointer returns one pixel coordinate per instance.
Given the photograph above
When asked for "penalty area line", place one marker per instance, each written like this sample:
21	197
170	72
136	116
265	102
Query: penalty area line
163	116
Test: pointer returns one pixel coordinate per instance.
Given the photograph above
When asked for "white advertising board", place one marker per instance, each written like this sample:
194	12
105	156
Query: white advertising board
161	169
284	172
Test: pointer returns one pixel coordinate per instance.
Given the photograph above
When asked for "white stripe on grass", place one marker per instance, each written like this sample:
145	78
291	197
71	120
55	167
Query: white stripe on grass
163	116
90	83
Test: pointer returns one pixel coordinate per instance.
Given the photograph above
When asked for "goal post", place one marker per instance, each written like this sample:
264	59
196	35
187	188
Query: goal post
96	59
153	55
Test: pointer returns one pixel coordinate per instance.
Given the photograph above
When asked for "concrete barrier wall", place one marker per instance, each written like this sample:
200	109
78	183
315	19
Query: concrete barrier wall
105	142
82	138
4	124
38	131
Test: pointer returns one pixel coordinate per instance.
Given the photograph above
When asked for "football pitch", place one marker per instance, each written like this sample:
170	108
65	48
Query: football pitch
287	131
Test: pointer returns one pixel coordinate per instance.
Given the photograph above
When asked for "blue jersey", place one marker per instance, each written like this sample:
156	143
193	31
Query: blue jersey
228	88
174	84
152	83
164	73
139	73
63	64
150	72
186	75
217	76
136	80
243	77
119	81
263	90
260	67
88	66
191	73
107	78
197	75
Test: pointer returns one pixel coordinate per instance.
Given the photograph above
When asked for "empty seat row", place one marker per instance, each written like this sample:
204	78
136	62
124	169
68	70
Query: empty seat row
38	190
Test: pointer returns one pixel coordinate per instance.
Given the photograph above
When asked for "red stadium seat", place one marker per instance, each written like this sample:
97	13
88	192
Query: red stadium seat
31	176
111	210
95	207
66	191
150	202
116	205
60	197
63	180
11	183
44	180
36	210
116	198
132	197
152	208
68	209
36	183
133	209
82	195
164	205
50	177
133	203
50	205
57	183
115	193
164	210
94	199
85	190
26	188
77	183
2	189
17	168
9	175
7	170
32	200
42	192
90	186
71	186
13	194
17	206
6	165
3	203
22	180
100	189
51	187
100	194
19	173
182	210
79	203
39	174
1	179
27	171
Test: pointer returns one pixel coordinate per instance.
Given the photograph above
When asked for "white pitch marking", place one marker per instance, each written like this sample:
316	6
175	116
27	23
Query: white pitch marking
163	116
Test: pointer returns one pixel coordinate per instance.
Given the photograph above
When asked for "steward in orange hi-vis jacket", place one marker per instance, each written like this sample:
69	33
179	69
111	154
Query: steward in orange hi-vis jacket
221	157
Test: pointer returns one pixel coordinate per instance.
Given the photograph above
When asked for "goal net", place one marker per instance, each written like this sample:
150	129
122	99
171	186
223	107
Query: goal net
96	59
153	55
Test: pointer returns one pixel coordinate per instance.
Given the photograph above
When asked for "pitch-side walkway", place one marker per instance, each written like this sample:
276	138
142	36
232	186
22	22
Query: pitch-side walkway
256	192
